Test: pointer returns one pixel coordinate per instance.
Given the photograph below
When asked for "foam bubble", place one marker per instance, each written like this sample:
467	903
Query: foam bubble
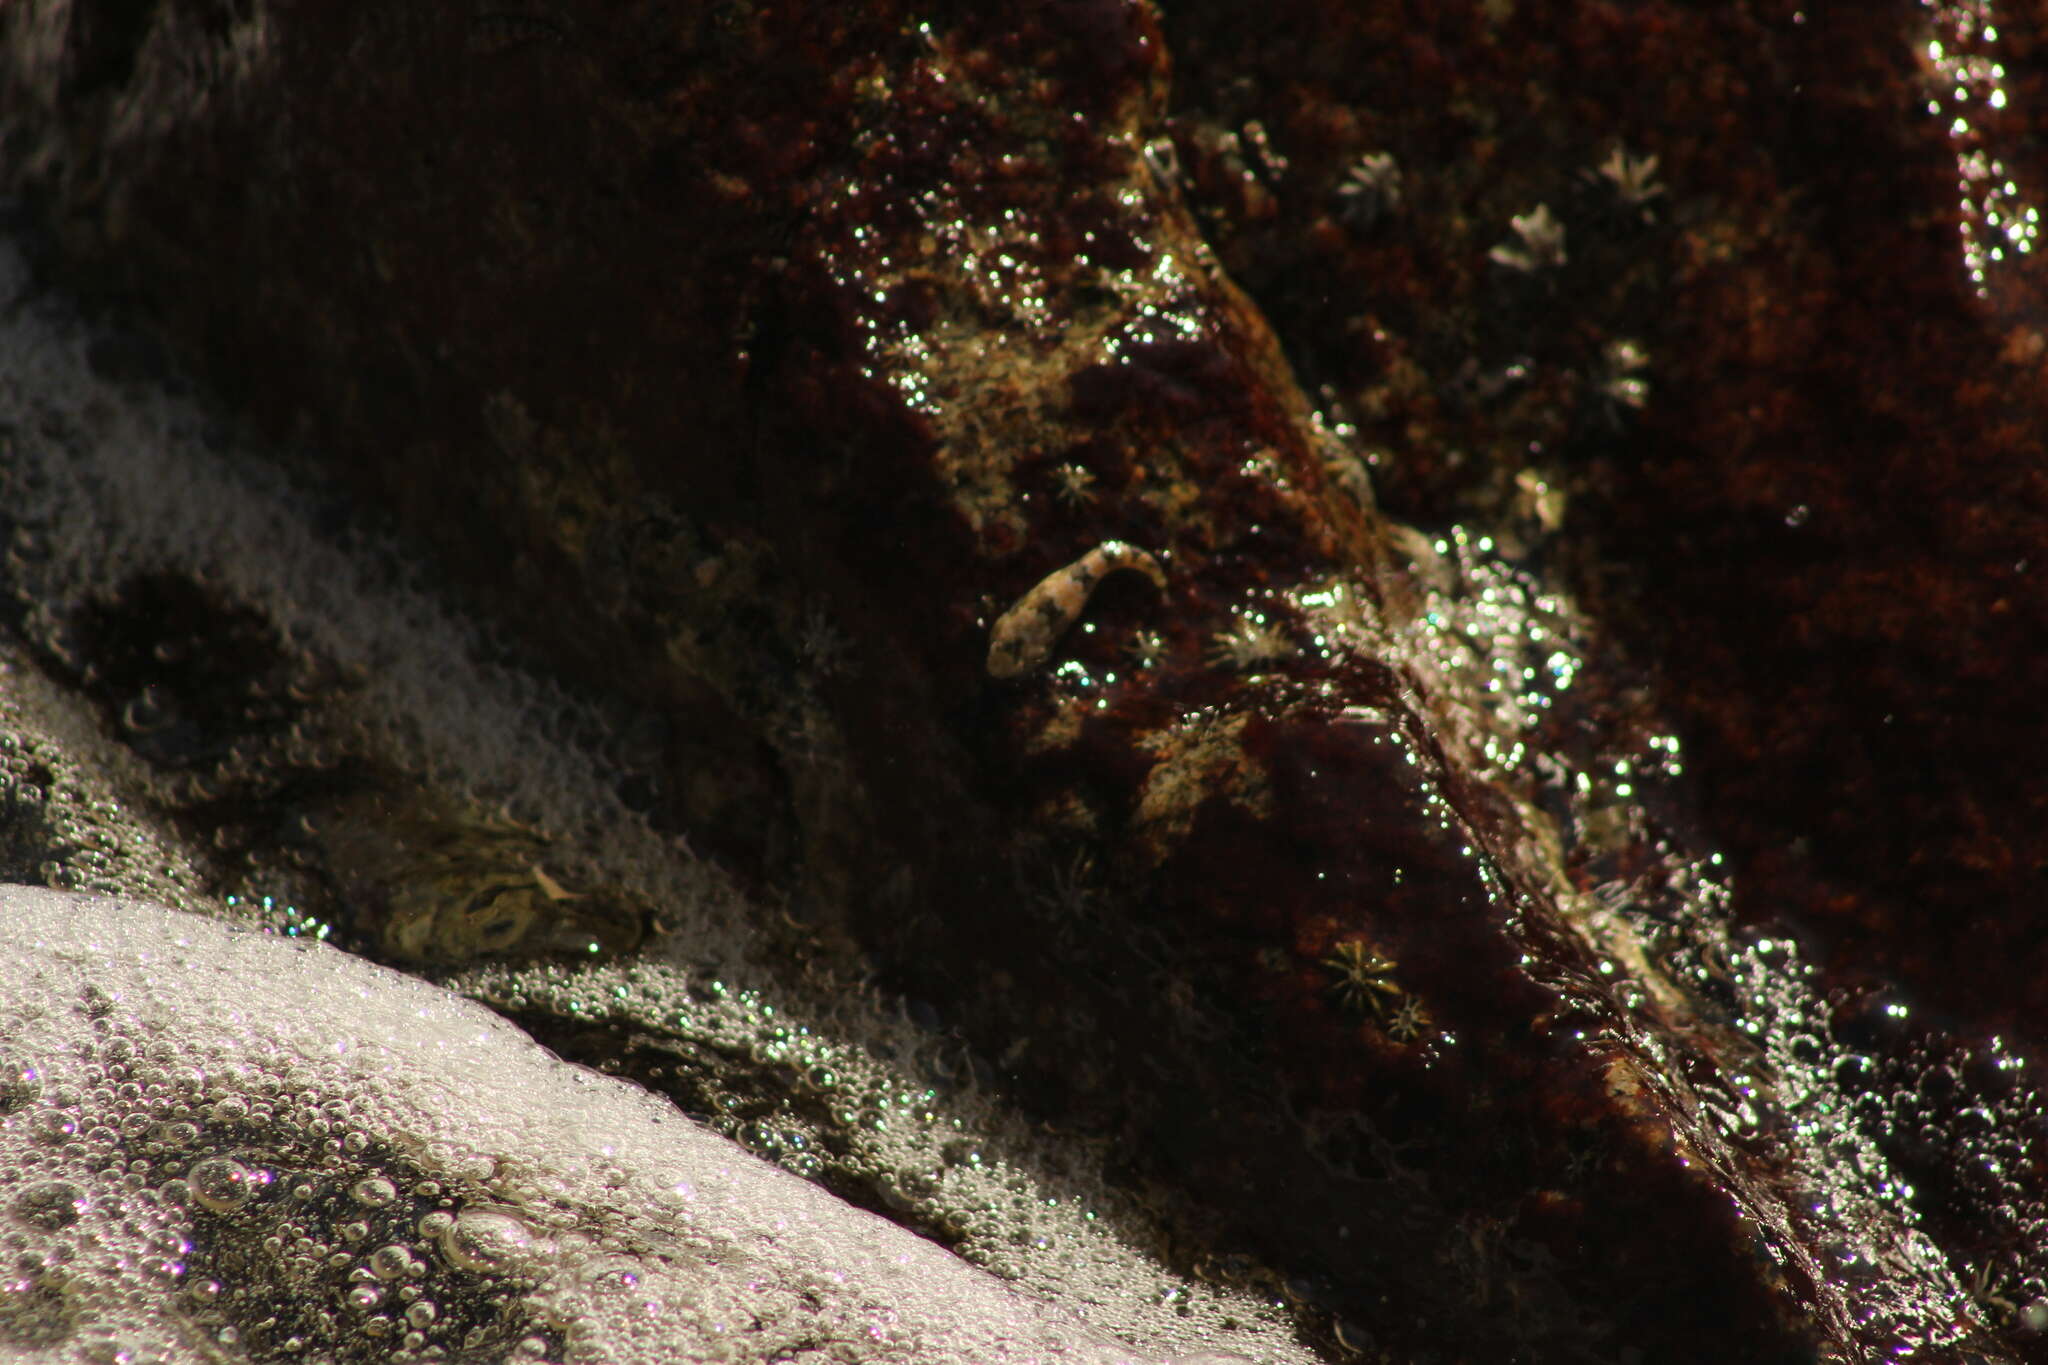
518	1206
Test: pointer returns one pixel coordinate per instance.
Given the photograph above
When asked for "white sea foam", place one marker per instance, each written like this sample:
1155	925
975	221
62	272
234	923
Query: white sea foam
222	1144
104	481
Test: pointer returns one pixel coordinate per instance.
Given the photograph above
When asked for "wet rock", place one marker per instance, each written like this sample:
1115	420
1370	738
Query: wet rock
1767	414
453	811
760	363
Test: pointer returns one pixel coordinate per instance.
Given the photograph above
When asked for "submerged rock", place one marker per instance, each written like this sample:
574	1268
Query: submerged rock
760	364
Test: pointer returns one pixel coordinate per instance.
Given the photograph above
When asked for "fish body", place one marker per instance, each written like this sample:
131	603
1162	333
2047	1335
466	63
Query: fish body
1024	636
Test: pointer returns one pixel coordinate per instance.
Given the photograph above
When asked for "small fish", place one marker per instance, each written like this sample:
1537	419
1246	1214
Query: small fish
1023	639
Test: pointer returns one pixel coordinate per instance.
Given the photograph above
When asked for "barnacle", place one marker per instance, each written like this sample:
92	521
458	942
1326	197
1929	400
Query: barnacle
1365	977
1538	243
1370	191
1068	892
1251	640
1072	482
1634	178
1145	648
1365	982
1621	375
819	642
1992	1284
1407	1020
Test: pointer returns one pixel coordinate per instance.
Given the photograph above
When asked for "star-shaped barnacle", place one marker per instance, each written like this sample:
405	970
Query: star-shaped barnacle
1620	378
1073	483
1068	891
1370	191
1406	1020
1634	178
1364	978
1537	244
1145	648
1252	640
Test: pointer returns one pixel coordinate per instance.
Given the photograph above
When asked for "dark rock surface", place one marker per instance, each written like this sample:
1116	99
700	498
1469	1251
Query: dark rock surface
1822	522
754	362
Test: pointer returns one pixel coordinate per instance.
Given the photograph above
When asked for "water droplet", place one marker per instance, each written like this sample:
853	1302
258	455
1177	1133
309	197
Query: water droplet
364	1297
422	1314
373	1191
221	1184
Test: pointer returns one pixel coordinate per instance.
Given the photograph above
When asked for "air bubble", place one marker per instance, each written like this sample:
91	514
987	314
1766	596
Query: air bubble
148	711
609	1275
51	1205
180	1134
33	1311
53	1126
221	1184
21	1085
394	1262
477	1169
373	1191
487	1240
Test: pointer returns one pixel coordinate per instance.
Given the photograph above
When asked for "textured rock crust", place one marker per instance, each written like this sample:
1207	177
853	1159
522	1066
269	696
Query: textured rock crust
756	360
